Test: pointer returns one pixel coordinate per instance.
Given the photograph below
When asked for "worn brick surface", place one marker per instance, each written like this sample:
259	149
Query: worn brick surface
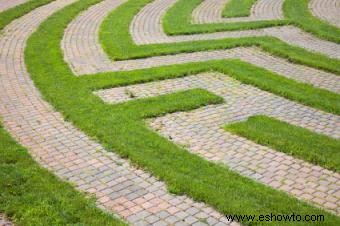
211	12
7	4
202	133
5	221
85	56
56	144
328	10
146	28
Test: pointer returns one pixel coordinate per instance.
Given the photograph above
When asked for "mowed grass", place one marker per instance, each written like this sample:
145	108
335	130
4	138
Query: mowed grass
30	195
178	20
293	140
238	8
9	15
118	44
121	128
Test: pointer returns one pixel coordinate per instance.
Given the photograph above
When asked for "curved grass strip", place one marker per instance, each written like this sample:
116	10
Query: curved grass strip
290	139
117	43
121	128
31	195
244	72
178	21
9	15
300	15
238	8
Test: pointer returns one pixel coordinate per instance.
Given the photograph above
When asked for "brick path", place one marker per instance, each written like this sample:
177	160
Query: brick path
120	188
7	4
201	132
85	56
327	10
132	193
4	221
146	28
211	12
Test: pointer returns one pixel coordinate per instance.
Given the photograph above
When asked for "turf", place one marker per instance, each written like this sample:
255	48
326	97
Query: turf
183	172
30	195
9	15
178	21
296	141
238	8
117	43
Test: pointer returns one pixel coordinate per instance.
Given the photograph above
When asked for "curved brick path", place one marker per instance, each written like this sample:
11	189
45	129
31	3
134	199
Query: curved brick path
211	12
146	28
60	147
4	221
7	4
85	56
328	10
200	131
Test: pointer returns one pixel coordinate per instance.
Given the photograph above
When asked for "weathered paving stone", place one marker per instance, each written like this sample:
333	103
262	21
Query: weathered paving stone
85	56
327	10
146	28
202	133
132	193
5	221
57	145
211	12
7	4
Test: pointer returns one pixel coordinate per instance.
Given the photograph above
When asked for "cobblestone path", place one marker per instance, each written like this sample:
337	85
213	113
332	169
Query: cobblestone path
134	194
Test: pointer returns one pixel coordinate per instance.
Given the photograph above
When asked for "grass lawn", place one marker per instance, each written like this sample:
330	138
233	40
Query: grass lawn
302	143
238	8
9	15
183	172
31	195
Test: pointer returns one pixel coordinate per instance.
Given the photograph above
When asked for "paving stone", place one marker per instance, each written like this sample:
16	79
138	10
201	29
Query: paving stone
7	4
5	221
327	10
211	12
58	145
200	131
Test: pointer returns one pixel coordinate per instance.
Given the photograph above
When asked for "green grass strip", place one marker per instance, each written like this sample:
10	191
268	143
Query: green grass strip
178	21
182	24
11	14
244	72
238	8
121	128
293	140
117	43
30	195
300	15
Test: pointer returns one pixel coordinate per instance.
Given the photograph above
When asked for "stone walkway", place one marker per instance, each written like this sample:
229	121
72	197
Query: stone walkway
4	221
211	12
7	4
131	193
57	145
85	55
201	132
328	10
146	28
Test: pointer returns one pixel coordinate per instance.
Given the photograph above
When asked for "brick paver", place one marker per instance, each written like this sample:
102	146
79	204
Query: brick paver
201	132
132	193
56	144
7	4
211	12
328	10
5	221
85	56
146	28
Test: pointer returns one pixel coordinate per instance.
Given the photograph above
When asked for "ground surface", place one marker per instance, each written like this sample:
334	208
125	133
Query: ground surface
134	111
